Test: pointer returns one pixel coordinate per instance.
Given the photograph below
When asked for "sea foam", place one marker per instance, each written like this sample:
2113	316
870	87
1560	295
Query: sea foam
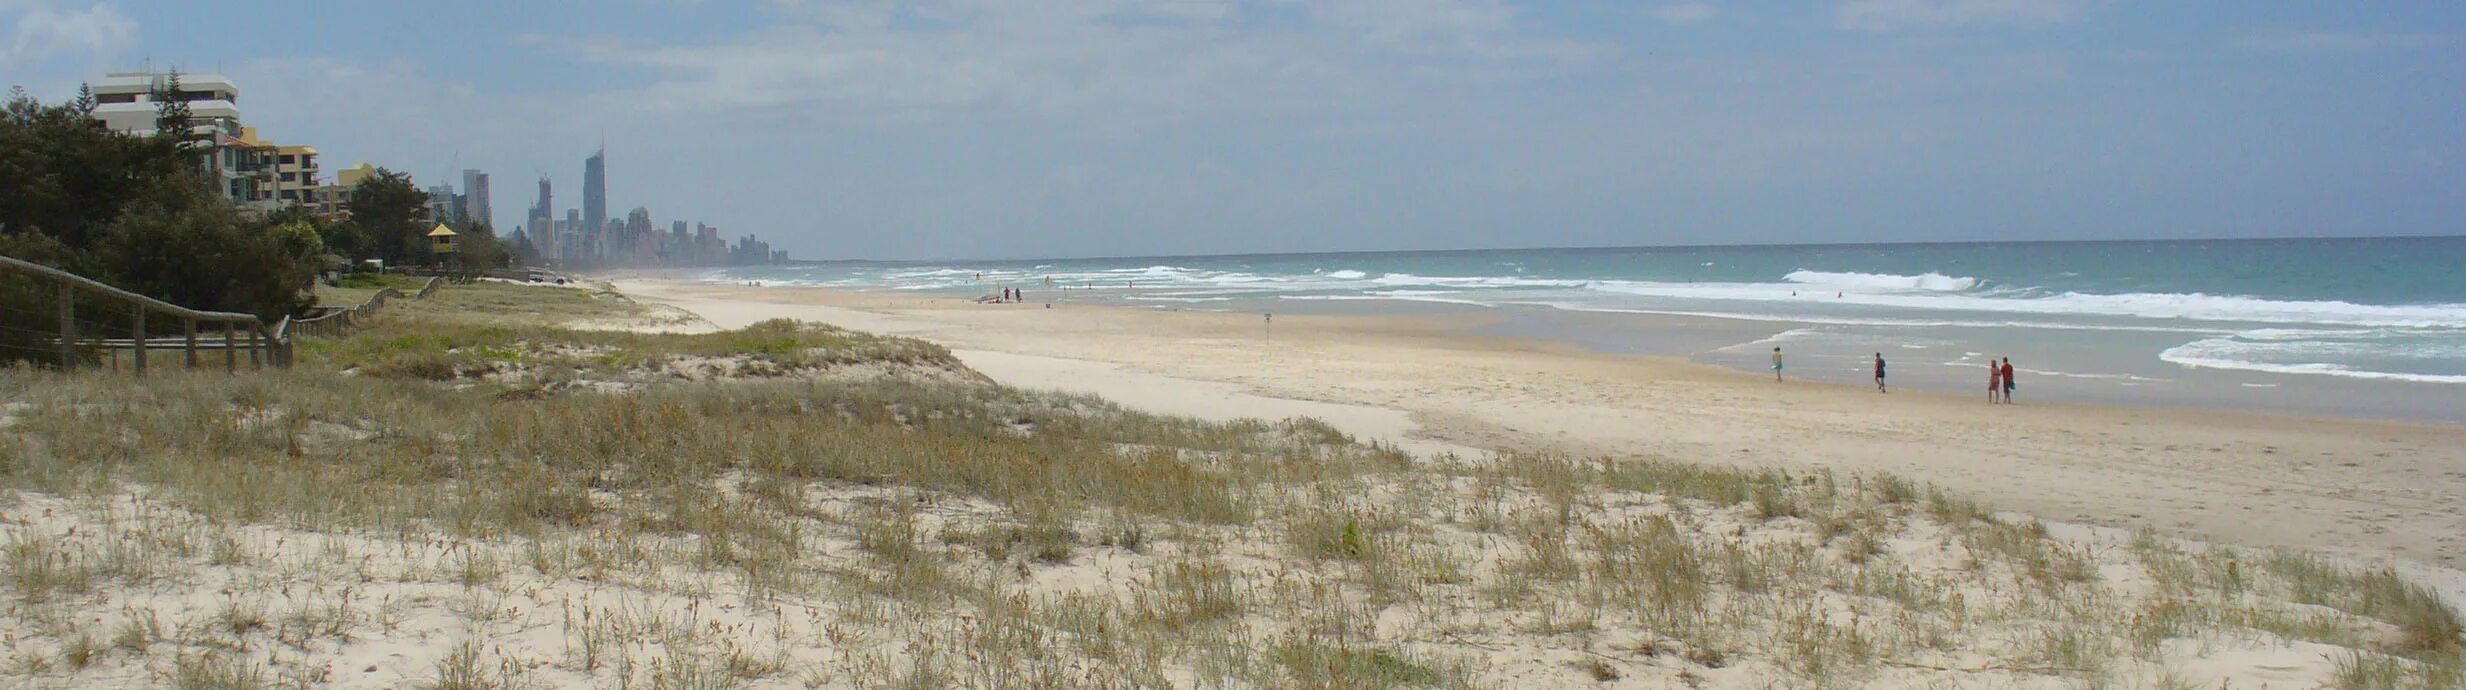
2364	354
1881	282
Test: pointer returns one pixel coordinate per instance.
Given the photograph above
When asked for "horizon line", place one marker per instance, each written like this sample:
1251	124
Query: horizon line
1750	245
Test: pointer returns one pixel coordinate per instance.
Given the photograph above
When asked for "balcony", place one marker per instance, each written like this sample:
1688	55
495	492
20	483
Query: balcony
213	109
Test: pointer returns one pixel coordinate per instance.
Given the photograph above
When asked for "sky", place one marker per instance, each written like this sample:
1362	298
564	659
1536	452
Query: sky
1064	128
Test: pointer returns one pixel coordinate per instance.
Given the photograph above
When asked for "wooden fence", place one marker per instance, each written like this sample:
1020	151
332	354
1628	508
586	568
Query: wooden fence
264	344
335	322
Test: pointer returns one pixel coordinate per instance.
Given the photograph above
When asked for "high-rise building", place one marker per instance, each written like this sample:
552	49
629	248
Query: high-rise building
333	200
282	175
595	200
444	206
126	102
475	192
678	250
543	226
295	175
709	249
577	239
640	242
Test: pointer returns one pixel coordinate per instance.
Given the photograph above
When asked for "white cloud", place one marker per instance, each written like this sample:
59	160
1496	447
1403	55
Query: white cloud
2334	42
1416	23
1684	13
1893	15
1102	61
42	32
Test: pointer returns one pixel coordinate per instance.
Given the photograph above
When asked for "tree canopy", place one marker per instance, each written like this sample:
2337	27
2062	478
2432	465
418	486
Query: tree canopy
391	212
141	213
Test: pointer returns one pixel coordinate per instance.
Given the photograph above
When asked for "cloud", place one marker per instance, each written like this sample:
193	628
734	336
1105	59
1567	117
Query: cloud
2334	42
1893	15
1416	23
1103	62
1684	13
44	32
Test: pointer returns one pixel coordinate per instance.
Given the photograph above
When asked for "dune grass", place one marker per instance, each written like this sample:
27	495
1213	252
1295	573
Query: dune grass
789	526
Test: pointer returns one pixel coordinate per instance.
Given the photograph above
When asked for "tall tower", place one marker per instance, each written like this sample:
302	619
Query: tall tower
475	193
543	223
594	196
577	240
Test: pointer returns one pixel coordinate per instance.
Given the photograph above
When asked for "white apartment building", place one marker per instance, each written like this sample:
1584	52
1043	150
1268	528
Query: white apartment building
124	101
258	175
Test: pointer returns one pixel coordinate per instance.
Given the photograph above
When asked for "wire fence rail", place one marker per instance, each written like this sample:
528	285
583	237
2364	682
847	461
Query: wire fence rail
55	316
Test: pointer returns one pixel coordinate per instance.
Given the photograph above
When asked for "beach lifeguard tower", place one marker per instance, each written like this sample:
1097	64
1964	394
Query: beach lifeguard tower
441	241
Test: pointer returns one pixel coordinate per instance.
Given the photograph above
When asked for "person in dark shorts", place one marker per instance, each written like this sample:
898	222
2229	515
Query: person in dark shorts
1776	363
1879	373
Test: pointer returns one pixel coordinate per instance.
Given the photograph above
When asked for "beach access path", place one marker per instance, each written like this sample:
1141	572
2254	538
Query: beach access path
2377	492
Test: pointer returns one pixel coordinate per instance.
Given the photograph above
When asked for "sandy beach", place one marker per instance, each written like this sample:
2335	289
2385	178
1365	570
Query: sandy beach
509	486
2377	492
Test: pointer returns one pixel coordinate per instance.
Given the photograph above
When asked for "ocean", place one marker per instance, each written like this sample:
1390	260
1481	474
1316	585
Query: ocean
2370	327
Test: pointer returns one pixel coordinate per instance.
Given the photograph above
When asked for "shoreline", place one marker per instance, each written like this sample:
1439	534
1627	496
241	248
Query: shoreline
2122	365
2377	491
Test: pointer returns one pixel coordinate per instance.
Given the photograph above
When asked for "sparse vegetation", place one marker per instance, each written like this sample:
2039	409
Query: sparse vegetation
576	514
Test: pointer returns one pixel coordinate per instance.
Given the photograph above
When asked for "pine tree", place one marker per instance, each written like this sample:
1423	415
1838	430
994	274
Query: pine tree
171	113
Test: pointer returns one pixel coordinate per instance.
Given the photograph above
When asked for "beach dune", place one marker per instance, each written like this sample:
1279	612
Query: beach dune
2377	492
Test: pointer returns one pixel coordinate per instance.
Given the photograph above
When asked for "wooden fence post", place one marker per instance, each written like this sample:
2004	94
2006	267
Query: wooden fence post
68	326
137	335
231	350
190	327
256	350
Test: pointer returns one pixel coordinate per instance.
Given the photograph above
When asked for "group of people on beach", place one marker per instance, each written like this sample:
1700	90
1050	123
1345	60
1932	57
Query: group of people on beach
1999	376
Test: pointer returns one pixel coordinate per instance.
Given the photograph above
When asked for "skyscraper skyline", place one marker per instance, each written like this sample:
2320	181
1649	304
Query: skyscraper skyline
577	239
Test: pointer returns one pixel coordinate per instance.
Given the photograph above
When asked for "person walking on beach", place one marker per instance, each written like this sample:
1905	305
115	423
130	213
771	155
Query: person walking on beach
1995	382
1879	373
1776	363
2007	372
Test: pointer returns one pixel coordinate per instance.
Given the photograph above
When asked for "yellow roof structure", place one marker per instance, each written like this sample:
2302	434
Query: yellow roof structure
441	231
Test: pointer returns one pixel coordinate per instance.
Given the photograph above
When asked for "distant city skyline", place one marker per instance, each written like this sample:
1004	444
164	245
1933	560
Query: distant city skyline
581	240
977	128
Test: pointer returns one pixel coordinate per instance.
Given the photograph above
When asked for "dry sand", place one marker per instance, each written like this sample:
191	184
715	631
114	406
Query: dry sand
2373	491
361	610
